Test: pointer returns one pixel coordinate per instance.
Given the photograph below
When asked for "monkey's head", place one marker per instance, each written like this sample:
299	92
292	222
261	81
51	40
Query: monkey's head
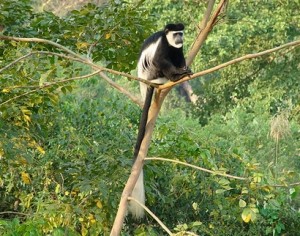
174	34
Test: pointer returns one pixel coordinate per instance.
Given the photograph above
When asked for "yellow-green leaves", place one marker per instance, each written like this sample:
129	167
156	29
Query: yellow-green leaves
25	178
249	214
242	203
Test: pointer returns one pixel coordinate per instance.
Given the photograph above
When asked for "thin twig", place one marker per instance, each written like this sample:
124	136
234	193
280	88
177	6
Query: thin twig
14	212
79	58
152	215
19	96
38	40
286	185
195	167
94	66
46	85
15	61
121	89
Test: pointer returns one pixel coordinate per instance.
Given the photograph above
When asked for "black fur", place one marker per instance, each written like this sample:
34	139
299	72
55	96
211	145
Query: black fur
174	27
169	61
143	122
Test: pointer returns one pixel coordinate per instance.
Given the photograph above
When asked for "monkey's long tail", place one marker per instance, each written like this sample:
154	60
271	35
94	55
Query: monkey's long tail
143	122
138	192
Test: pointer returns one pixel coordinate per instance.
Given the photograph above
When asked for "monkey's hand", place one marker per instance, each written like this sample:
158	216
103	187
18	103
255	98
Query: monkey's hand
188	71
185	71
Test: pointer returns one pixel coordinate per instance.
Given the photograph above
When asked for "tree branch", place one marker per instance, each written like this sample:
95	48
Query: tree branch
204	33
15	61
14	212
285	185
195	167
207	14
78	58
49	84
152	215
234	61
196	46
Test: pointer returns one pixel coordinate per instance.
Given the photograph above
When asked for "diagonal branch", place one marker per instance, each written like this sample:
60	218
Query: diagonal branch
234	61
76	57
15	61
204	33
152	215
49	84
195	167
194	49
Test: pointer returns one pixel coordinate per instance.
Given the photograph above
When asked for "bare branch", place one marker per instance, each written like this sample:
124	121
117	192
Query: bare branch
205	28
204	33
286	185
138	164
207	14
49	84
38	40
234	61
15	61
121	89
195	167
82	60
76	57
14	212
152	215
19	96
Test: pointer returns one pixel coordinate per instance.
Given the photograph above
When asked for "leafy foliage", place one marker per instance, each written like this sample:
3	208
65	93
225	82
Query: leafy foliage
66	147
245	32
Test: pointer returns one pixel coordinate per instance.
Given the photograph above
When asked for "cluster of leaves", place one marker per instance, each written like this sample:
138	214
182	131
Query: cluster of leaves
110	33
216	205
74	183
65	157
250	27
48	169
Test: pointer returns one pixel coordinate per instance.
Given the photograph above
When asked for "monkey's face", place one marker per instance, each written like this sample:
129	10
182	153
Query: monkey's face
175	38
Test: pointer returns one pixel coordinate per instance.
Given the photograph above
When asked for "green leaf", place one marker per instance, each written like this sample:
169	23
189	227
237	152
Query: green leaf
242	203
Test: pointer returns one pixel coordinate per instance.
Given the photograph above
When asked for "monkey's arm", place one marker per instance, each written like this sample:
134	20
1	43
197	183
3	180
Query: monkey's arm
172	72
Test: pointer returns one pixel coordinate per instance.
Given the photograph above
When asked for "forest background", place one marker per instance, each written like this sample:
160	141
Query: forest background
67	135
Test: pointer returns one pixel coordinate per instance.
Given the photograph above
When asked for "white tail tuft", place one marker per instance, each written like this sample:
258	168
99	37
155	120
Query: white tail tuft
138	193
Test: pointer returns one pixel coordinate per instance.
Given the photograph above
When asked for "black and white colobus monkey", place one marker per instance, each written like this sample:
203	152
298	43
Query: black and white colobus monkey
161	59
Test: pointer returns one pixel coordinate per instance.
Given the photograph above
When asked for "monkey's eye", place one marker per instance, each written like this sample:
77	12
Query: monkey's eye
178	34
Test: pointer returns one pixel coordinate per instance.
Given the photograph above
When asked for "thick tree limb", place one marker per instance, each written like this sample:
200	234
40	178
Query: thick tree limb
194	50
137	166
204	33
